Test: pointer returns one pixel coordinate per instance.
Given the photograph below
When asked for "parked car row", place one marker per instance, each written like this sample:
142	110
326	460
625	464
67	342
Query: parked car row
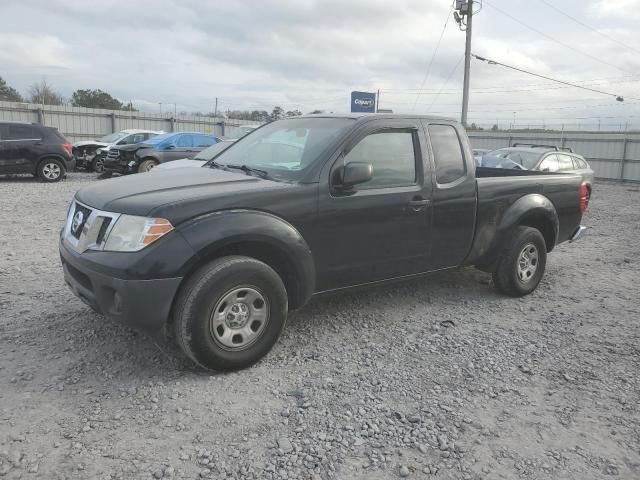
143	156
90	154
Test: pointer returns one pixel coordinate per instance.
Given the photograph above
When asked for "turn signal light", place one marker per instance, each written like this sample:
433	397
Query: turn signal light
156	229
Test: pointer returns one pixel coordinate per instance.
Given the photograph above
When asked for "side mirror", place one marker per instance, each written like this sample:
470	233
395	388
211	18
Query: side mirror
169	147
355	173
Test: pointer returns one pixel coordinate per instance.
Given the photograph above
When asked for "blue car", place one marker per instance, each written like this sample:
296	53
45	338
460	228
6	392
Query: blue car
167	147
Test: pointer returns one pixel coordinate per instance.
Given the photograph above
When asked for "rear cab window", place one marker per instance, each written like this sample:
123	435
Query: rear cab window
448	155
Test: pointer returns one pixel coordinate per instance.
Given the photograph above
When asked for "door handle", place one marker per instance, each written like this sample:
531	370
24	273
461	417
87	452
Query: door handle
418	204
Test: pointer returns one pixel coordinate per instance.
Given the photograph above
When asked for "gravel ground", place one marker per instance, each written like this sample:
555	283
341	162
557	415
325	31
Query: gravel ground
440	378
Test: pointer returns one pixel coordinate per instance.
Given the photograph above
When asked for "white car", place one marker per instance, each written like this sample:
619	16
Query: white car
90	154
199	160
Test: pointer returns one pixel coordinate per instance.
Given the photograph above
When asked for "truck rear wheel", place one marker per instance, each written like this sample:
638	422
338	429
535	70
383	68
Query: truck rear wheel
230	313
521	265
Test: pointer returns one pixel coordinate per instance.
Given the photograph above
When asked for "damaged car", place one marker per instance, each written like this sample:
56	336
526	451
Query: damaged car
90	154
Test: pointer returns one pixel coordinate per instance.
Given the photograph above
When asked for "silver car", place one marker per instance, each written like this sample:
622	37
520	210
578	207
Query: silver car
547	158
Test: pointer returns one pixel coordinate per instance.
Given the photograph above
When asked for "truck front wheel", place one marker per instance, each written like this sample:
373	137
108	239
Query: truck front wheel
521	264
230	313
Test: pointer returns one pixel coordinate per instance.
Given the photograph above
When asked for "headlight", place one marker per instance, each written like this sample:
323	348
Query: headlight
132	233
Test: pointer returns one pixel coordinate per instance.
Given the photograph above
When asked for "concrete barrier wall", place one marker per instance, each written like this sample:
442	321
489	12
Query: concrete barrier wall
77	123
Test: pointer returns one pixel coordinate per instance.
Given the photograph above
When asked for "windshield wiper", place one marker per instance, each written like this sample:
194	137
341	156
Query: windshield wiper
248	170
213	164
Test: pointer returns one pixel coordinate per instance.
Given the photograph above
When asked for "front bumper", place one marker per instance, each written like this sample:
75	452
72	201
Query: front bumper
120	166
142	304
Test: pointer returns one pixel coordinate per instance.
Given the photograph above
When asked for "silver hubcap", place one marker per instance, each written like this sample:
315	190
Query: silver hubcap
51	171
528	262
239	318
149	166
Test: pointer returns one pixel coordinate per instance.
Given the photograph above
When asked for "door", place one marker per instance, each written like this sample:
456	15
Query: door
454	196
378	229
200	142
183	148
18	142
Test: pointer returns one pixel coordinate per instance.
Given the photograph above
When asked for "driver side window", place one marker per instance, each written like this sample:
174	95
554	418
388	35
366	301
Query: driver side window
392	155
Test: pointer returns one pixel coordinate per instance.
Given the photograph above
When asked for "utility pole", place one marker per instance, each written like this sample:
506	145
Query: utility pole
215	112
464	11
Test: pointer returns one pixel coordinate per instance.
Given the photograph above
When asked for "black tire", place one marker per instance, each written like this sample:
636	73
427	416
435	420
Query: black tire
147	165
97	164
509	272
204	294
50	170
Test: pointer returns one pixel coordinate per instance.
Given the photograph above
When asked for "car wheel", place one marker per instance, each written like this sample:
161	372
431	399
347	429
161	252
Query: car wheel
230	313
50	170
147	165
97	165
521	265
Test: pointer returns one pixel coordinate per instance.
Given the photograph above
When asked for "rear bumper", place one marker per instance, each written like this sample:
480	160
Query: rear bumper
141	304
578	233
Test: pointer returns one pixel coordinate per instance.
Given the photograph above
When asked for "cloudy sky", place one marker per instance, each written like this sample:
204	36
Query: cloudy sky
309	54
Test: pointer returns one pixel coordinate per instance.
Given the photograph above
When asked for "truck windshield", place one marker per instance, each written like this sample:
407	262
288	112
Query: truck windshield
286	148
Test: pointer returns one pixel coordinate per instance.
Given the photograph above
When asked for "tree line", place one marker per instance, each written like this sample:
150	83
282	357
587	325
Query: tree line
43	93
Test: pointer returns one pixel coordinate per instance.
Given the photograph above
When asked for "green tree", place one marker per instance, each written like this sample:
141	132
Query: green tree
277	113
42	92
294	113
316	112
7	93
495	127
95	99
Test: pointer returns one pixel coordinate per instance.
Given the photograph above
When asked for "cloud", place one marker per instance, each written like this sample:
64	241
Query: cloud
35	51
309	54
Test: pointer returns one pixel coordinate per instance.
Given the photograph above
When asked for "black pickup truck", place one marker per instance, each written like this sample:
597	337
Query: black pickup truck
302	207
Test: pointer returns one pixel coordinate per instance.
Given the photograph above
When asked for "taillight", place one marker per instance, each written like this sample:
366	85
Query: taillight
67	148
583	197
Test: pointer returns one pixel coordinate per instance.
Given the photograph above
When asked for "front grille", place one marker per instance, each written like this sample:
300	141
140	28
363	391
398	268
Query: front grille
113	155
79	219
103	229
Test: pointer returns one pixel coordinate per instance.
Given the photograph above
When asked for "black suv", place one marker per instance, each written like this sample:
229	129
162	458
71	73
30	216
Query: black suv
33	148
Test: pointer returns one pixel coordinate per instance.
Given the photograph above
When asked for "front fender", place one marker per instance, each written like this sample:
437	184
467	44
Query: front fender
216	231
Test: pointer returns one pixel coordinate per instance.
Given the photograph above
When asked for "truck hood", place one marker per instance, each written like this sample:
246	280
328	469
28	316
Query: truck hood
178	194
182	163
84	143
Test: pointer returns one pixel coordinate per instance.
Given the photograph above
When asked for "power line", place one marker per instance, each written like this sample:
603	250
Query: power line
446	82
600	81
539	32
588	27
493	62
426	75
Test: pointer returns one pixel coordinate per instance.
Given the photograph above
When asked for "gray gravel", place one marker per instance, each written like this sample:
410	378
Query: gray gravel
440	378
